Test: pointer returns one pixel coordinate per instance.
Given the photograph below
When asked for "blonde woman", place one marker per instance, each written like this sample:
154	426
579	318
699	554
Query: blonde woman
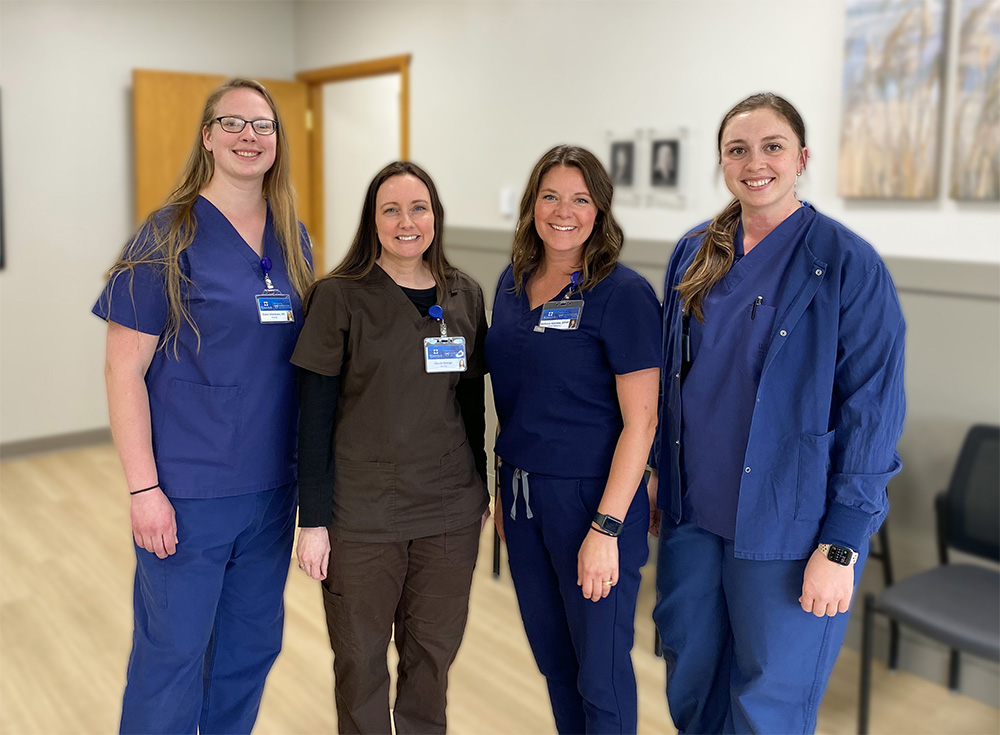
203	310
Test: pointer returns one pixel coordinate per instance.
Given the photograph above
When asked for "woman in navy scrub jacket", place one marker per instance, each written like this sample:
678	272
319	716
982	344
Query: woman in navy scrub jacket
203	310
782	405
573	351
392	458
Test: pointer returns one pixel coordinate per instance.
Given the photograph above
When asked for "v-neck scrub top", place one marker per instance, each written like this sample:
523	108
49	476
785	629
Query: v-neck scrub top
223	412
727	353
403	467
555	391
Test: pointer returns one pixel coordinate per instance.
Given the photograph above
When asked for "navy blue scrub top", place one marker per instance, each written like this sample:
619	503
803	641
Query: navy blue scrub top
224	417
555	391
720	390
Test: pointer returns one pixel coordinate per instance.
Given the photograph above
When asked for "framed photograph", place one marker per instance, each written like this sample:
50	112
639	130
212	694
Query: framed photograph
890	131
664	171
975	158
664	162
622	169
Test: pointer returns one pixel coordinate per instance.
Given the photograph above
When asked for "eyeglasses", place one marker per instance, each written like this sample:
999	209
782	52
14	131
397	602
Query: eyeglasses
236	125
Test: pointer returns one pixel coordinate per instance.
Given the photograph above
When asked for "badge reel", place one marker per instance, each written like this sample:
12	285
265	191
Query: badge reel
273	307
563	314
444	354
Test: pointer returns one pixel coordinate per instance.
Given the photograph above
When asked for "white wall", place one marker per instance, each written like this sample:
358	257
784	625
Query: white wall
497	82
65	72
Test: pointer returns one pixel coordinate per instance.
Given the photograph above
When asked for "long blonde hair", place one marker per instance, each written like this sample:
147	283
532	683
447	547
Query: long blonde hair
715	256
600	252
168	231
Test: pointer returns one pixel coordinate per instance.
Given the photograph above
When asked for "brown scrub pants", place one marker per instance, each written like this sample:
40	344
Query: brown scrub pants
422	586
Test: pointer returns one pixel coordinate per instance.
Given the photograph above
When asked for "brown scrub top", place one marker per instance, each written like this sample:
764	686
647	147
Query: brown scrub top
403	467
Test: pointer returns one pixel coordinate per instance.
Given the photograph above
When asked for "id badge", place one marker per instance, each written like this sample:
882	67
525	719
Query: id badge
561	315
445	354
275	308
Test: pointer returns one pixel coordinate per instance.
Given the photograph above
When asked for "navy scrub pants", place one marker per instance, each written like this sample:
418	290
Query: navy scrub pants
742	655
582	648
208	619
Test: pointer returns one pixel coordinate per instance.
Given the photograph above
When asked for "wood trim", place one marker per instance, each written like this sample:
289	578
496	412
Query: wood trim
314	80
358	70
317	234
404	110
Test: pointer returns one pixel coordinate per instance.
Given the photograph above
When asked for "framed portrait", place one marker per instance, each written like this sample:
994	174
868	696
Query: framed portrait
664	172
624	164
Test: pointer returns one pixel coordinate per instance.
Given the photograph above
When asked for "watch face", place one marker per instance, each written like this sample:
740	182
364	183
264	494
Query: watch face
609	524
840	555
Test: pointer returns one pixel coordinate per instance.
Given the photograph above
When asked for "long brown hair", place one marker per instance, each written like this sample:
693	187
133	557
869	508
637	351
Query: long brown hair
601	250
168	231
715	256
366	247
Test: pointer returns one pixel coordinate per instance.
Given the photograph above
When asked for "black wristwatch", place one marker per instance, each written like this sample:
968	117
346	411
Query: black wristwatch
839	554
608	524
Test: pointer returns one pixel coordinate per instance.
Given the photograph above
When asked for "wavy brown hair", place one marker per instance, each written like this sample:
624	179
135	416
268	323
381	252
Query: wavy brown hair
600	251
715	256
169	230
366	247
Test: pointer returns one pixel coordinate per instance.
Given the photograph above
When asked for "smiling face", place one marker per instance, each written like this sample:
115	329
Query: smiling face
404	220
761	157
564	212
244	156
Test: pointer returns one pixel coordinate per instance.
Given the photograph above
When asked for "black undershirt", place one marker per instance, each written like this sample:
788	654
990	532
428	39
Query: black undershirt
318	396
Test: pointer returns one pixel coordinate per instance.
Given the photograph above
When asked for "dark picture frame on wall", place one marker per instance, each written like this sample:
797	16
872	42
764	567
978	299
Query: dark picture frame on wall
623	163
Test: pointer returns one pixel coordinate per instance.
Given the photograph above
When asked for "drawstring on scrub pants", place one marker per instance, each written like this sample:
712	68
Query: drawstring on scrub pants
523	477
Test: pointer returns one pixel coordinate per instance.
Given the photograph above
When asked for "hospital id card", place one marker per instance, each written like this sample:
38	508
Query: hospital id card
445	355
275	308
561	315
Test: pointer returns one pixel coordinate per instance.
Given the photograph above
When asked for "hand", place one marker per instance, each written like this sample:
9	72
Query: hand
597	564
485	518
313	551
826	587
498	516
154	527
654	513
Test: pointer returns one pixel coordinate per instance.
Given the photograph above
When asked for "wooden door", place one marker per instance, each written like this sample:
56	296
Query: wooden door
166	121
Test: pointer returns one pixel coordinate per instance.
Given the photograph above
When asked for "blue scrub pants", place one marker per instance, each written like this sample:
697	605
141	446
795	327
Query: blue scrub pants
208	619
742	655
583	648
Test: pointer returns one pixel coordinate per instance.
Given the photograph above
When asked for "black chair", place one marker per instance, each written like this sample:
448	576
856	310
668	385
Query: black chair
956	604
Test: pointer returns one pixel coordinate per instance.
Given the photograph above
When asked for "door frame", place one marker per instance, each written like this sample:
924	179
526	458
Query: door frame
314	80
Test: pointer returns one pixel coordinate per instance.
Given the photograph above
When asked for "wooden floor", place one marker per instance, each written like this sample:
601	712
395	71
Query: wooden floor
66	565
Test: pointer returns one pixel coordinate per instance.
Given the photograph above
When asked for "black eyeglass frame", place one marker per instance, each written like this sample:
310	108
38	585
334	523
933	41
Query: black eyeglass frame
253	124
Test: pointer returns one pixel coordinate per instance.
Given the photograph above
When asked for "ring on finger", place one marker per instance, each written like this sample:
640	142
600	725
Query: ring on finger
608	583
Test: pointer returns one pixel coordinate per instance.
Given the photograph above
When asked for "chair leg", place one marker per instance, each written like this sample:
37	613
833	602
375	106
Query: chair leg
893	646
496	552
864	695
954	665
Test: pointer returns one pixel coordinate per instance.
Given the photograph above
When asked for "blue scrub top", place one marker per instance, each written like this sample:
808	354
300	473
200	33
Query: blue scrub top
720	389
555	391
224	414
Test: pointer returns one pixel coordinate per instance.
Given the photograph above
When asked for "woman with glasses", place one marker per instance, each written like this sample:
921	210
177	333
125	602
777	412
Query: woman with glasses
203	310
392	458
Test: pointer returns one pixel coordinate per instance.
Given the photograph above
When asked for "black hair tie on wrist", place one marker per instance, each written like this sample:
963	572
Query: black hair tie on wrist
144	490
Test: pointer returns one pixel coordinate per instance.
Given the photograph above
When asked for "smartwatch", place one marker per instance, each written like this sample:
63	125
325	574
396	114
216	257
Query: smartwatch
608	524
841	555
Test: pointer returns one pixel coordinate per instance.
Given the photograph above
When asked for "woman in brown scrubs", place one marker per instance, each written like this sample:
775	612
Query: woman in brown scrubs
392	462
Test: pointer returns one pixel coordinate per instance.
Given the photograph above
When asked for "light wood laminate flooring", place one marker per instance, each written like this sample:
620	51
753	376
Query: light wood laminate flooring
66	565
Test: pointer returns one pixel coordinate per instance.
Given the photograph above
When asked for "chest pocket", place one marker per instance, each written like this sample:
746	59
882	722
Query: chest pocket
755	341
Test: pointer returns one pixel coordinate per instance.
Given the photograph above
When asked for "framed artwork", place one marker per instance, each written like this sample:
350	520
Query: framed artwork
665	154
623	167
975	155
890	132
